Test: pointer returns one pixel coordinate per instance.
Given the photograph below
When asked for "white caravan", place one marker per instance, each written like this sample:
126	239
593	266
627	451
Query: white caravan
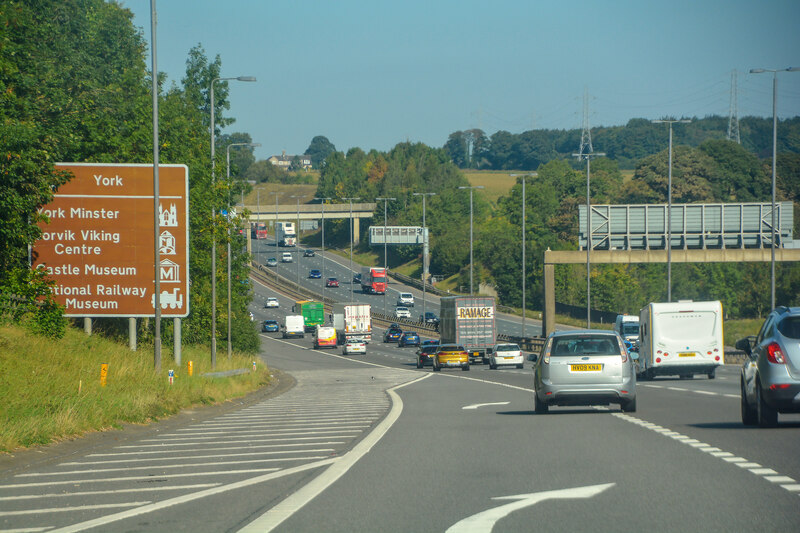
680	339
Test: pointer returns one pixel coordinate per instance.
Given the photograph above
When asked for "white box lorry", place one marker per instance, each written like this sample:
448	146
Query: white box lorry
352	321
680	338
469	321
285	234
627	326
293	326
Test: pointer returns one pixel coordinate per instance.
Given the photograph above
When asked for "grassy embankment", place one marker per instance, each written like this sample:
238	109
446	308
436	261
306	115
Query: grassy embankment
51	389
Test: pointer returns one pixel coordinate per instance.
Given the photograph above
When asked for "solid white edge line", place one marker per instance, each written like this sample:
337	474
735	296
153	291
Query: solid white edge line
284	510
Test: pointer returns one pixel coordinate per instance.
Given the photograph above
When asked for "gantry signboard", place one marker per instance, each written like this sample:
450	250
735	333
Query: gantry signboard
98	246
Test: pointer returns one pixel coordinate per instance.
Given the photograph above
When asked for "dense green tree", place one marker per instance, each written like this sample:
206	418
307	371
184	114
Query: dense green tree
319	149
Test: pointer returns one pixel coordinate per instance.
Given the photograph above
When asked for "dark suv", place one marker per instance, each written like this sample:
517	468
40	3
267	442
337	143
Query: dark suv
771	375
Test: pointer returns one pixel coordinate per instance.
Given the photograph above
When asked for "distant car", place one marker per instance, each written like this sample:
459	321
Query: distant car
314	274
402	312
392	334
272	262
505	354
450	355
272	302
429	318
405	299
584	367
270	325
286	257
309	253
770	379
332	282
352	346
408	338
425	353
357	277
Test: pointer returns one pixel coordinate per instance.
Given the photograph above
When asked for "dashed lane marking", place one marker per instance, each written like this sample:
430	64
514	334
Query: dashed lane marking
768	474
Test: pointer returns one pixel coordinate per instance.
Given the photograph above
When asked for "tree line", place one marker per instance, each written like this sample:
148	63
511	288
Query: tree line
625	144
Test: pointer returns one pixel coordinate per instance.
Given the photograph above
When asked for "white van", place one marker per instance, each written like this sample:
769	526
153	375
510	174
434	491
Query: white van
405	299
286	257
293	326
681	338
627	326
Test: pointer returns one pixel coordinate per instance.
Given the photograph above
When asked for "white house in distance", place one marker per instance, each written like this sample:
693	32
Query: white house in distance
284	161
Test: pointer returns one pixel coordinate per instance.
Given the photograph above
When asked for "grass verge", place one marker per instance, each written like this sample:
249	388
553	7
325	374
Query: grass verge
52	389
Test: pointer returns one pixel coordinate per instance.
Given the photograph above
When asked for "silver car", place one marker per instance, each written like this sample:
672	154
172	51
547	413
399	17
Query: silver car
770	379
584	367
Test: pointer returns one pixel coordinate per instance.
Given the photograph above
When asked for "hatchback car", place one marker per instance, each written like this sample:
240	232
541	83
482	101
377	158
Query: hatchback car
357	278
332	282
270	325
408	338
392	334
309	253
584	367
272	302
450	355
314	274
352	346
272	262
505	354
425	353
402	312
770	381
286	257
405	299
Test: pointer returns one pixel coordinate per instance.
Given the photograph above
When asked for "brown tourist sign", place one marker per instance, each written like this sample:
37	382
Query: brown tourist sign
98	246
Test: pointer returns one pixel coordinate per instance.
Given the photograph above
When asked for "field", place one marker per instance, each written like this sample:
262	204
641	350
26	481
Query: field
496	183
263	192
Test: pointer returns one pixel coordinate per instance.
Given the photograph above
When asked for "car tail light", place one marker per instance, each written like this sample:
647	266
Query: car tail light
781	386
623	350
774	354
716	358
658	359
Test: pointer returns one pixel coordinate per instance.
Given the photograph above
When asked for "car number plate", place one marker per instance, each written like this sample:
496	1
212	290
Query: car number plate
586	368
686	354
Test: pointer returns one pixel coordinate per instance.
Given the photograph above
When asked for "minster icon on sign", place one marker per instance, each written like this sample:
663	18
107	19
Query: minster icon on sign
168	217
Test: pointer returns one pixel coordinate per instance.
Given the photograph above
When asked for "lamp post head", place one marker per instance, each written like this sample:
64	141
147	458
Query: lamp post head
757	70
246	78
792	69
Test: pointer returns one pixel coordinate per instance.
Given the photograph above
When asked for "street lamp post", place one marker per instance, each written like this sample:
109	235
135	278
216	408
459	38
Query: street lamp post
351	245
385	201
669	204
297	235
228	220
322	249
470	232
774	161
214	226
588	158
424	250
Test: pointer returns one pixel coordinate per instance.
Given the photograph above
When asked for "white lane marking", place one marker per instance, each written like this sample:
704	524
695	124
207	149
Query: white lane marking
779	479
285	509
476	405
71	509
735	396
707	392
766	473
234	441
249	447
28	530
187	465
137	478
485	521
678	389
287	431
103	520
193	457
105	492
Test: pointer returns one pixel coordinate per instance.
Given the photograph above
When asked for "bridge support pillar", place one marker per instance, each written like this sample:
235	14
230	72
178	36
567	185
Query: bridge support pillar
549	314
356	231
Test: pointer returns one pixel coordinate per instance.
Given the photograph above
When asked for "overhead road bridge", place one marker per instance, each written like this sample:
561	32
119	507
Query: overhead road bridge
291	212
562	257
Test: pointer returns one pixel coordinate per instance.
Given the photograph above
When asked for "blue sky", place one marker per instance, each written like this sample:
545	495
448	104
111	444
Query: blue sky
374	73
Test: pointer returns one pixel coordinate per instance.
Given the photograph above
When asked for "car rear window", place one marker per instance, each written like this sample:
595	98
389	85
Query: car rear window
790	327
507	348
585	345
